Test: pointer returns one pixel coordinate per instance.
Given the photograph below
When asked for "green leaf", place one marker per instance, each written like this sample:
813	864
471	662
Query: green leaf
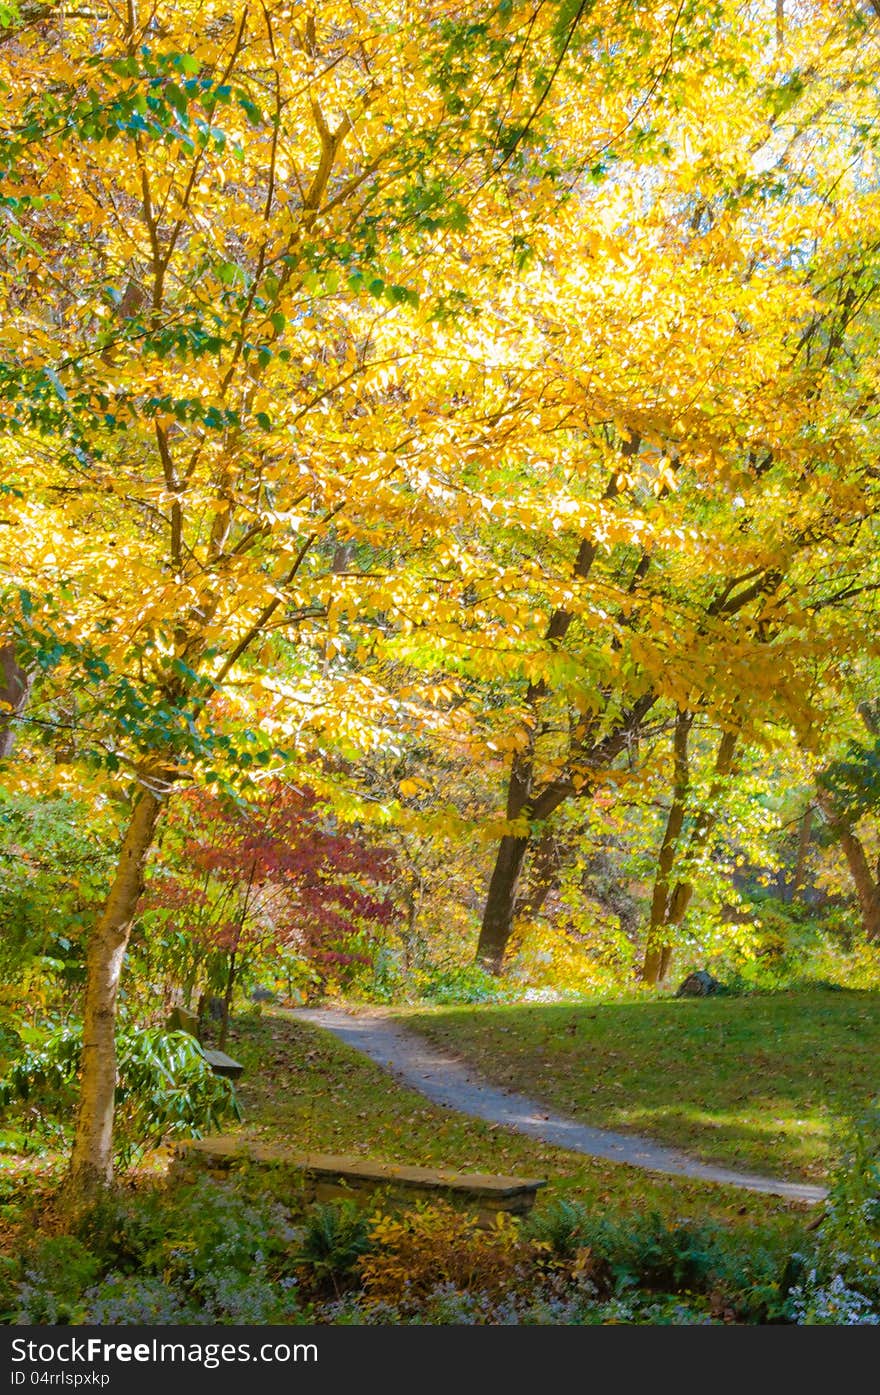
401	295
175	97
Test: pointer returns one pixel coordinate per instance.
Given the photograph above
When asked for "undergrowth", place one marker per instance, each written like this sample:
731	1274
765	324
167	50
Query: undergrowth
218	1253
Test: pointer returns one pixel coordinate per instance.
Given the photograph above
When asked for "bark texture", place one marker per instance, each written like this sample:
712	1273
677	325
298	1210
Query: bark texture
501	902
867	885
656	940
91	1165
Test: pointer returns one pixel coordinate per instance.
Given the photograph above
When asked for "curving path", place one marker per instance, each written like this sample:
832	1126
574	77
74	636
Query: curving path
448	1081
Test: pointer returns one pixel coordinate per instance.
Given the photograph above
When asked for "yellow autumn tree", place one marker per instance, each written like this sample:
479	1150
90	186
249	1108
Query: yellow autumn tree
244	387
700	394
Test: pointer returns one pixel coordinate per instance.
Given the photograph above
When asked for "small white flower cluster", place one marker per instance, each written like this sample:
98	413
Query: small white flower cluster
831	1302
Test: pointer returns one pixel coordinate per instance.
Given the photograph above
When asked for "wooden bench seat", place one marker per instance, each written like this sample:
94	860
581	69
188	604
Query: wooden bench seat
326	1176
182	1020
221	1064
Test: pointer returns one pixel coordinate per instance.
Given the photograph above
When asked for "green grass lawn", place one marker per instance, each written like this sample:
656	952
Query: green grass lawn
753	1082
304	1088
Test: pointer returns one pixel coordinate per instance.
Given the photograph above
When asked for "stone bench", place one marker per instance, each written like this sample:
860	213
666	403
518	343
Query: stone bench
328	1176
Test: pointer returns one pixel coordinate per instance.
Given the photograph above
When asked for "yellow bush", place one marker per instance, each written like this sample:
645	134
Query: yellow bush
595	959
436	1244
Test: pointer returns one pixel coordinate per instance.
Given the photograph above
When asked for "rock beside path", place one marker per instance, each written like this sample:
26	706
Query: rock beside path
699	985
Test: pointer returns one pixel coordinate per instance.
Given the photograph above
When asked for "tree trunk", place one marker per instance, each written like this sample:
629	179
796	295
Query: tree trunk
805	829
545	867
15	687
867	888
414	946
680	899
227	1000
665	963
91	1164
501	899
500	902
655	946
